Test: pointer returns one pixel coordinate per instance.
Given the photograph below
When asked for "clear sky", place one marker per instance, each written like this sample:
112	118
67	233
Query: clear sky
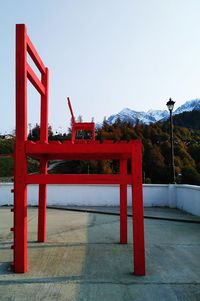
105	54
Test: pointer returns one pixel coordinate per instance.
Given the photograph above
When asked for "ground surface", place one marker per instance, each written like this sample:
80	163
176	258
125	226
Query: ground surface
82	259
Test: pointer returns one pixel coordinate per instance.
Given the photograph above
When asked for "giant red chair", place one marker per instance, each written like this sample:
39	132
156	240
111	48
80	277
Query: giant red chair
44	151
80	126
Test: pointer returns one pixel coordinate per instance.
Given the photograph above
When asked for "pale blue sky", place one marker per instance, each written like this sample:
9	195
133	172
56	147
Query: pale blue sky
106	55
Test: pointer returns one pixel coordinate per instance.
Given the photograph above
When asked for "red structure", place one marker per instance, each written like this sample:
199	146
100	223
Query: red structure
69	150
77	126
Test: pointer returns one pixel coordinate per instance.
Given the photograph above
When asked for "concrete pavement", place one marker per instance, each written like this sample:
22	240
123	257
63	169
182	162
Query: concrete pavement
82	259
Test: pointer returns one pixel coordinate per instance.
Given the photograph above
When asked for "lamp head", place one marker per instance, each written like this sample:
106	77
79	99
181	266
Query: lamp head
170	105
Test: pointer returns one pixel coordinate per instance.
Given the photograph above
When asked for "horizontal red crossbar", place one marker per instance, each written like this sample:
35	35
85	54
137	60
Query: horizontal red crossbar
78	179
83	157
55	148
35	80
83	125
80	151
34	55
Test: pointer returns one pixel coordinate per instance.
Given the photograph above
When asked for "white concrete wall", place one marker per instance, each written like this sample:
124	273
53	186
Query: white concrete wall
185	197
155	195
6	197
188	198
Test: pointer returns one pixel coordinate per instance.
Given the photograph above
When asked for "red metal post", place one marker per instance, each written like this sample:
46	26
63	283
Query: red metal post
93	132
42	204
138	211
123	204
20	189
71	111
44	109
73	134
43	161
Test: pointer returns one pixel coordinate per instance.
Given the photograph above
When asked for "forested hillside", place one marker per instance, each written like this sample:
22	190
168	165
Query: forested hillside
156	151
188	119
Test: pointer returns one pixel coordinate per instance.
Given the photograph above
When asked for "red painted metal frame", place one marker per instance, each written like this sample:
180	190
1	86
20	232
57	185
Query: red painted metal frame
70	150
77	126
24	72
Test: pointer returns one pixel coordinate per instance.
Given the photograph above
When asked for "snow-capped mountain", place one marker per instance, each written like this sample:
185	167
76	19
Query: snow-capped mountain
158	114
128	115
132	116
188	106
151	116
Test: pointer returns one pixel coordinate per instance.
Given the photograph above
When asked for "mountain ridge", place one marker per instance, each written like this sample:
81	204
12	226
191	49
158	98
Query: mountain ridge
152	116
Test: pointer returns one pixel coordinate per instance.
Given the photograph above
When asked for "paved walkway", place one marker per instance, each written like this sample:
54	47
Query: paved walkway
83	260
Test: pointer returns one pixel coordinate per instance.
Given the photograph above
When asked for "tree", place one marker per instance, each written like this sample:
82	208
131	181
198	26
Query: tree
7	146
154	164
190	176
34	133
7	167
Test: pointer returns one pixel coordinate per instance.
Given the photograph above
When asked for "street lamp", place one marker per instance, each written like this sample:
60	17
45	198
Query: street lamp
170	105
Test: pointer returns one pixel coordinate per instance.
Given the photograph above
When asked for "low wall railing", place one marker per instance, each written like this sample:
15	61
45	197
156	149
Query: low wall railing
184	197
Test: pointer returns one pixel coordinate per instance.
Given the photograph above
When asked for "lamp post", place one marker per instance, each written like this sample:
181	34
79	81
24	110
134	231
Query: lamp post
170	105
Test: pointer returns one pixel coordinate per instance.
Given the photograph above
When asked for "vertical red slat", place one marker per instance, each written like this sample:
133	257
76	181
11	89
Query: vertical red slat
71	111
43	161
20	189
42	204
123	204
44	109
138	211
93	132
73	134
